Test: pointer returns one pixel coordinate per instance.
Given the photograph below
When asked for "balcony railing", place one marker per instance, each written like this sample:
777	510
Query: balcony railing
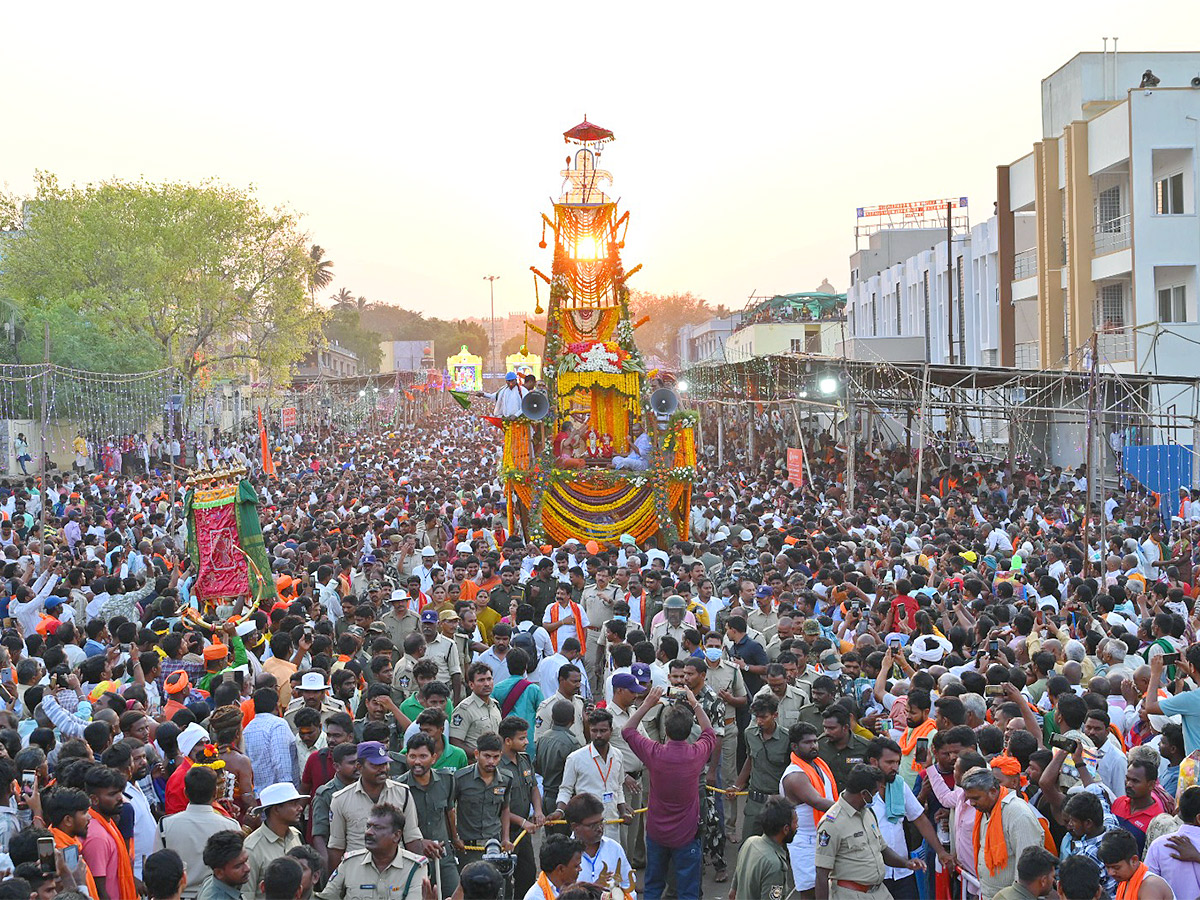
1025	264
1111	235
1115	344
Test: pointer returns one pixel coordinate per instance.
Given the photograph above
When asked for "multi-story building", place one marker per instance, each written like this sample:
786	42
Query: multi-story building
1098	226
908	303
705	341
329	361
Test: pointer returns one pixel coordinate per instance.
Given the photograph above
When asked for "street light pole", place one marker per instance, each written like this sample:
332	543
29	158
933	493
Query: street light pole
491	280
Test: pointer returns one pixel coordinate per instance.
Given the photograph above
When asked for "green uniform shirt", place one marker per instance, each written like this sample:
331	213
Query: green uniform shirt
770	757
520	796
432	801
479	804
319	811
840	762
764	870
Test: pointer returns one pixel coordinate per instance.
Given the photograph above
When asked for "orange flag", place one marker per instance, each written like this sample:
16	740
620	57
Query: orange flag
268	464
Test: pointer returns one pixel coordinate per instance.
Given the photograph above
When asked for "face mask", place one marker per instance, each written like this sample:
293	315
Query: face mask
713	653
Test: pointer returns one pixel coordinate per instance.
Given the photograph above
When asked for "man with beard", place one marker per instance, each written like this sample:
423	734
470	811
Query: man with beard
129	758
104	848
383	863
892	806
808	785
763	868
597	769
431	791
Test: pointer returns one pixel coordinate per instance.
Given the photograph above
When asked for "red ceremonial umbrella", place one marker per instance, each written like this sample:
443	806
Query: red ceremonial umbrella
585	133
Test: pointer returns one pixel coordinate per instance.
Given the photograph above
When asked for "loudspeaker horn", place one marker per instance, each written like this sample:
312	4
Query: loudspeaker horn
536	406
664	401
1196	82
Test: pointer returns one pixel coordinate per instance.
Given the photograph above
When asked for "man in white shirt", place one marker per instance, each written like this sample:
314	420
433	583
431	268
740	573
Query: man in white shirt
508	398
597	769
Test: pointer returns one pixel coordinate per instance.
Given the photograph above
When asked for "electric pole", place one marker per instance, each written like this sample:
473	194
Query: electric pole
491	280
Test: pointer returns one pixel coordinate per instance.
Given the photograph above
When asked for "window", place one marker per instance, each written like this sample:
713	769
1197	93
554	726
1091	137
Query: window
1108	211
1112	307
874	315
1172	304
796	345
899	326
1168	195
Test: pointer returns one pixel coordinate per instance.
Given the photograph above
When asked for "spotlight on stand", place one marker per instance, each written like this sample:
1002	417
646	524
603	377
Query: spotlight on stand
828	385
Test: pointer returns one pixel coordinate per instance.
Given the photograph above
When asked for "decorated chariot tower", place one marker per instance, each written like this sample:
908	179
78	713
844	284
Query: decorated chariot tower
602	450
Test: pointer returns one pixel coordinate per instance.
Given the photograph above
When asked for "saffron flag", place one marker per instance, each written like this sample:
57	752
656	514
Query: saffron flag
268	464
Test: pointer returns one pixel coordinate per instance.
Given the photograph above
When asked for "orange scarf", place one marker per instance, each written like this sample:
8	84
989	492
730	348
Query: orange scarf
995	850
125	886
580	631
1128	890
908	741
544	883
814	773
62	840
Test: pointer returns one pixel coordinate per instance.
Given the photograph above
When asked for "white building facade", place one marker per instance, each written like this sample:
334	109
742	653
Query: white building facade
926	308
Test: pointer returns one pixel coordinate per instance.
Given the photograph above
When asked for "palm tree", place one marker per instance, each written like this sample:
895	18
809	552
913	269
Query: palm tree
361	304
320	270
343	298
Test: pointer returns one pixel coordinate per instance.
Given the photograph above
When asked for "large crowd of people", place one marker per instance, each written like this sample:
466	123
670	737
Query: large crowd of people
960	693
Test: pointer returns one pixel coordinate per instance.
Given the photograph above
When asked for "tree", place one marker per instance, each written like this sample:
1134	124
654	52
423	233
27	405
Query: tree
343	297
345	327
320	273
536	345
197	275
668	313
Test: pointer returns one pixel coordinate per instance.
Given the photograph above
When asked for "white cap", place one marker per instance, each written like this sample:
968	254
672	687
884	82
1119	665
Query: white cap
274	794
398	595
313	681
190	737
244	628
428	551
464	547
745	535
1157	722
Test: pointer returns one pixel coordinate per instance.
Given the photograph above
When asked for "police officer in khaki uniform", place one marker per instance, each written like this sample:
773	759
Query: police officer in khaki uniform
478	714
442	651
383	868
851	856
789	697
351	806
840	747
281	806
399	621
403	680
768	754
481	800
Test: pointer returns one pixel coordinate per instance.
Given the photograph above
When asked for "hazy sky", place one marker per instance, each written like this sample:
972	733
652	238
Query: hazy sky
420	142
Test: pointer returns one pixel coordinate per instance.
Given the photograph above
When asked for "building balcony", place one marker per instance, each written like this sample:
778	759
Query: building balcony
1111	235
1115	345
1025	264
